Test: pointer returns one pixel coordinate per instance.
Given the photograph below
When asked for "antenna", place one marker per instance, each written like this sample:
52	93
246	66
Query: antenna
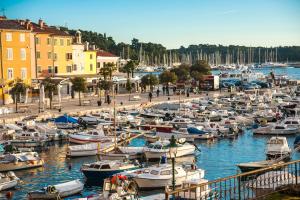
3	11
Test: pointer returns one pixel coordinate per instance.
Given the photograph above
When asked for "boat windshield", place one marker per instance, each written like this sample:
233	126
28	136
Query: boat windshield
275	142
154	172
279	127
95	166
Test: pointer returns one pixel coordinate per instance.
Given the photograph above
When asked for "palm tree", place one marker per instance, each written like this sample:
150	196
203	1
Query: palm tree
79	85
110	68
129	87
50	87
18	87
129	68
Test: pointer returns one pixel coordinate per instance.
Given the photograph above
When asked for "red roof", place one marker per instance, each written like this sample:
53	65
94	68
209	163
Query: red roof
11	24
105	54
48	29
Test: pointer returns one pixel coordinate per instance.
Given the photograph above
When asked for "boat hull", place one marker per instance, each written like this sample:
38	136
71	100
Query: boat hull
184	151
8	185
4	167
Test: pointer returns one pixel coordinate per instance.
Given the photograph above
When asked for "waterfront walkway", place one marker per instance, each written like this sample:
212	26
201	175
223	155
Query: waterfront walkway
71	106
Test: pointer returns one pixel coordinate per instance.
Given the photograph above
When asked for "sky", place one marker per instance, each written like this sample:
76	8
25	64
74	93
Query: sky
173	23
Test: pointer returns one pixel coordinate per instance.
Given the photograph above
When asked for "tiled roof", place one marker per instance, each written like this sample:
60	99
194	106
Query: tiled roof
49	29
11	24
105	54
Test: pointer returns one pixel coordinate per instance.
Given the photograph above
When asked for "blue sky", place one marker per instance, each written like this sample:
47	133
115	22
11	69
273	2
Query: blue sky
172	22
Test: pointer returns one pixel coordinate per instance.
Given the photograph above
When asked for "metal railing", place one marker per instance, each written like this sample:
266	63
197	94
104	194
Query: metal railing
250	185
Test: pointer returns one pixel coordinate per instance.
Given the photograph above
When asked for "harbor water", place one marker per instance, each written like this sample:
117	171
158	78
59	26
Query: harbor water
218	158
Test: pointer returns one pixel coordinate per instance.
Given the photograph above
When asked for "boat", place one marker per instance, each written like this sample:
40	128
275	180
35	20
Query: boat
121	153
58	191
19	161
162	148
91	136
90	149
97	171
277	147
278	129
181	122
292	122
251	166
160	176
8	180
119	187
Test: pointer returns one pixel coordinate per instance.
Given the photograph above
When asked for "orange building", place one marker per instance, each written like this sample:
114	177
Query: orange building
16	41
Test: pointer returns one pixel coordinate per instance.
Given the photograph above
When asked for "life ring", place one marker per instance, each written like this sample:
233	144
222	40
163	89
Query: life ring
51	189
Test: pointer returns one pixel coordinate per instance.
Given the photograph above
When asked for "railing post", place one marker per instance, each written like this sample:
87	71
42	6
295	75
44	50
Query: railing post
296	173
239	187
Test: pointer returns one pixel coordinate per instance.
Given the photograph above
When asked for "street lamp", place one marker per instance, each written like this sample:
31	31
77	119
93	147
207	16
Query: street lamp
173	152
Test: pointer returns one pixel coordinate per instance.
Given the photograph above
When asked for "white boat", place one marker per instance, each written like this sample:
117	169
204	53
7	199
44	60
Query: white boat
277	129
292	122
58	191
162	148
90	149
96	135
278	147
160	176
8	180
181	122
121	153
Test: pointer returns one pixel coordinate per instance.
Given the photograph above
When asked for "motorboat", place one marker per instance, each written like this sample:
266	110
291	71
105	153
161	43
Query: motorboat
277	129
251	166
277	147
97	171
90	136
162	148
89	149
160	176
8	180
58	191
26	160
292	122
121	153
181	122
30	137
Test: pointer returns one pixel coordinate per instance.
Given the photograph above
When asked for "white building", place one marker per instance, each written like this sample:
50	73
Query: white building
104	57
78	55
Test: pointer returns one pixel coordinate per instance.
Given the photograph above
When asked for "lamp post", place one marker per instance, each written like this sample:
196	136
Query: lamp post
173	152
149	83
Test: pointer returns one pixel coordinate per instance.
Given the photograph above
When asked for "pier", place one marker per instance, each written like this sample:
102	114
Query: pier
257	184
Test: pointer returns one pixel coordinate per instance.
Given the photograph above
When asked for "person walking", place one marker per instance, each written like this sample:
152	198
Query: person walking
157	92
150	96
164	90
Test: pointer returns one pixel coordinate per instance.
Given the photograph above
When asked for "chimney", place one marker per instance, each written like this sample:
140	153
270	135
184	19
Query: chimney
27	24
78	37
86	46
41	23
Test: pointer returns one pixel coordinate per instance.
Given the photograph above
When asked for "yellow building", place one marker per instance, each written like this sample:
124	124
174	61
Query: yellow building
90	62
16	52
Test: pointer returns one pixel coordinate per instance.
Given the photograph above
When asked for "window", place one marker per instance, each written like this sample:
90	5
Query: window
91	67
61	42
69	56
10	55
38	55
68	42
74	67
37	40
91	56
48	41
23	54
8	37
69	68
55	69
49	69
49	55
39	69
55	56
154	172
54	41
22	37
23	73
166	172
10	73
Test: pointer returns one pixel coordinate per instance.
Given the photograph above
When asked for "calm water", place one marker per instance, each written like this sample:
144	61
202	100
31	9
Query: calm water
217	158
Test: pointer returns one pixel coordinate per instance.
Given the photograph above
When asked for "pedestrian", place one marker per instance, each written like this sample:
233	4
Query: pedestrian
164	90
108	99
187	93
150	96
174	90
157	92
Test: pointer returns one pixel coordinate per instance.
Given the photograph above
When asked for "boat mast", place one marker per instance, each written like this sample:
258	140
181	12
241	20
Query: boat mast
115	131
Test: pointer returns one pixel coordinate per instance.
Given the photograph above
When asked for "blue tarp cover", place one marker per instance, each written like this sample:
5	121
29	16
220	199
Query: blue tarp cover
66	119
193	130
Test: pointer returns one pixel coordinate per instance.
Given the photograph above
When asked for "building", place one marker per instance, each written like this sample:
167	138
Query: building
104	57
16	51
90	59
78	56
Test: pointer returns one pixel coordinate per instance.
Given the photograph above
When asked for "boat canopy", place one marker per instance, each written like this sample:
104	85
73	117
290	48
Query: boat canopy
66	119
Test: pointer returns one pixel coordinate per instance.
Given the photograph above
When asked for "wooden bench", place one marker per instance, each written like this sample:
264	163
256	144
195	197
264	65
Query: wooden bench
86	102
136	98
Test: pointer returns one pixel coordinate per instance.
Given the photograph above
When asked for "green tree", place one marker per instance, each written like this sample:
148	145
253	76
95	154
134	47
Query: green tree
18	87
79	85
167	77
182	72
103	85
199	69
150	80
110	68
129	87
50	87
129	68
